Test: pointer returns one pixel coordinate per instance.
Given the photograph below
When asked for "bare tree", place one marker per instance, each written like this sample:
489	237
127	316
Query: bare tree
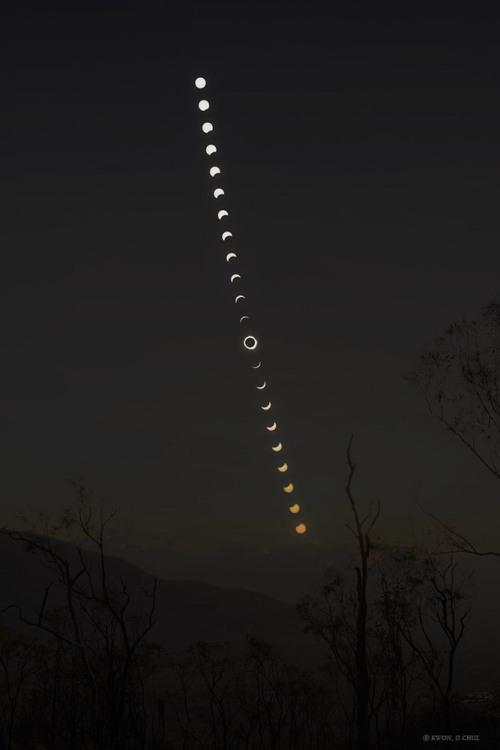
397	590
219	675
98	621
21	657
361	532
459	378
341	620
433	622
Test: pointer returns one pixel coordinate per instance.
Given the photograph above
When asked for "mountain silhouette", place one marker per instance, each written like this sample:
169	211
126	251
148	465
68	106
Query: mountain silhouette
186	611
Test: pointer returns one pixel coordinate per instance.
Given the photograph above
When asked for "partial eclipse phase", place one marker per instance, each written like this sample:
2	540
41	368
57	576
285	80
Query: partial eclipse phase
249	341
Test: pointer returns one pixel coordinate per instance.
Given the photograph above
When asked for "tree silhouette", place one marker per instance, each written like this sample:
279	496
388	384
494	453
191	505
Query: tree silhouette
459	378
422	597
341	620
99	622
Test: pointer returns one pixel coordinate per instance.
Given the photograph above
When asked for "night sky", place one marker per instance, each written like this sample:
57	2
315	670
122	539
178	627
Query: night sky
359	144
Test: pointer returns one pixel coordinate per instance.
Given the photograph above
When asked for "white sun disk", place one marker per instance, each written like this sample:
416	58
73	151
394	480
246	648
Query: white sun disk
214	171
211	149
207	127
203	105
218	192
200	83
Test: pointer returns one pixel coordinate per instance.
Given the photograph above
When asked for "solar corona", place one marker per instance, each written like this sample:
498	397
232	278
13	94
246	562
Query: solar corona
249	340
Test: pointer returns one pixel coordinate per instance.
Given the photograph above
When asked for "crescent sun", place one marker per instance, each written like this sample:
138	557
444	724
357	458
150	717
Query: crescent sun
272	427
222	213
258	364
283	467
277	448
214	171
243	317
295	508
218	192
235	276
267	407
260	387
238	297
211	149
231	255
225	235
288	488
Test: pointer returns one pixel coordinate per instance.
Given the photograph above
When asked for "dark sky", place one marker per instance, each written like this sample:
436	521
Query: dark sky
359	149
